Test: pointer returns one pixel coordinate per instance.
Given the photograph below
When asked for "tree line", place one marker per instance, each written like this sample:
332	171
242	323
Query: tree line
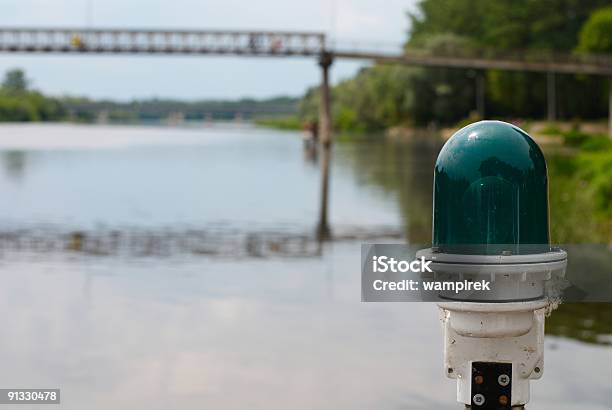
389	95
20	103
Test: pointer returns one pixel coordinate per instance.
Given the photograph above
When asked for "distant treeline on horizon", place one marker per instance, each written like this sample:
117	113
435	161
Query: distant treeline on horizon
18	102
83	109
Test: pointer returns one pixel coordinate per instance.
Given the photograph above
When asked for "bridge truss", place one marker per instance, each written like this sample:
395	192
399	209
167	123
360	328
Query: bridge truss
116	41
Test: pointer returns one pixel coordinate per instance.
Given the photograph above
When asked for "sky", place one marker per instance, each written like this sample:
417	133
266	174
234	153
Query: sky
365	23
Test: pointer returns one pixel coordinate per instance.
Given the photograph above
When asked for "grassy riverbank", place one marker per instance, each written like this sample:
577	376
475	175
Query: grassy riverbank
582	180
283	123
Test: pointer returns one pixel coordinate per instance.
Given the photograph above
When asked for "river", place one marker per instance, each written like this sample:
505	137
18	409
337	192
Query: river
149	267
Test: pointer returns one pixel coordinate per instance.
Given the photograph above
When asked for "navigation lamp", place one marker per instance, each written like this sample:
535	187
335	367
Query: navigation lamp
490	192
490	222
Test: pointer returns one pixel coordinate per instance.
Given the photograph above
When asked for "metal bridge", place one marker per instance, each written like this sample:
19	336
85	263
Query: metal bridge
115	41
271	44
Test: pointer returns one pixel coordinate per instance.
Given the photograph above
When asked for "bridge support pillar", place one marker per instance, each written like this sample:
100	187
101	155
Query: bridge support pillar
610	107
551	96
325	138
480	94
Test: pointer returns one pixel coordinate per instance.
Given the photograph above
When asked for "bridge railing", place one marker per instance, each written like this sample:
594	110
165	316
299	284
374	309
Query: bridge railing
158	41
282	43
532	55
483	59
366	46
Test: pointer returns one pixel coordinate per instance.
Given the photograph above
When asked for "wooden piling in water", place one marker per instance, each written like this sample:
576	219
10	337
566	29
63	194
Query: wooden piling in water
610	107
480	94
551	96
325	138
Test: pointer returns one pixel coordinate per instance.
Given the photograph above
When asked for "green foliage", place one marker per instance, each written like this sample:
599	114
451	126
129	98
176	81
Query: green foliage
582	185
308	107
391	95
384	96
596	168
84	109
531	27
551	129
574	195
585	141
597	143
444	95
375	98
596	34
575	138
15	82
505	24
18	103
284	123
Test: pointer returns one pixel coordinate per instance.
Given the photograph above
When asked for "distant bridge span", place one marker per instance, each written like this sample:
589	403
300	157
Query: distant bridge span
119	41
268	44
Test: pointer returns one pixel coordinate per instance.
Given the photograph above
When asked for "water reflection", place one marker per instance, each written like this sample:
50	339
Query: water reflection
403	169
215	241
14	163
586	322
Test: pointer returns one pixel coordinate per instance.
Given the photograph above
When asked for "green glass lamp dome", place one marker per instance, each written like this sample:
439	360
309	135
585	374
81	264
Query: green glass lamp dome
490	192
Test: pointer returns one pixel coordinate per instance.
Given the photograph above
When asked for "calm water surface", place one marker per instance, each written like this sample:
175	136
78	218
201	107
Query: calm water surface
278	328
